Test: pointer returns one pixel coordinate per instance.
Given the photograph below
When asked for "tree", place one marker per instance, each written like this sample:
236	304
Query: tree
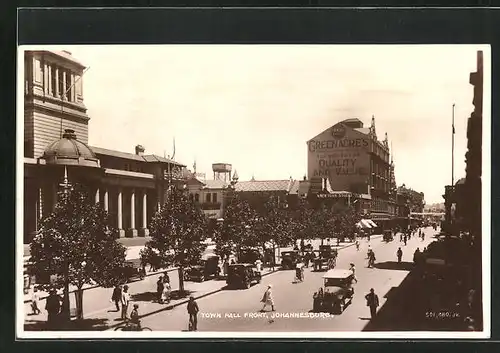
177	233
238	228
77	246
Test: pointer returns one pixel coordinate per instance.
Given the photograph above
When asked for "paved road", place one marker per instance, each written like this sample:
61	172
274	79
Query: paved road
238	310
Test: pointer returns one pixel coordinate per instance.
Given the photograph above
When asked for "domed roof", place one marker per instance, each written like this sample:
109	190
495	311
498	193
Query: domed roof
69	151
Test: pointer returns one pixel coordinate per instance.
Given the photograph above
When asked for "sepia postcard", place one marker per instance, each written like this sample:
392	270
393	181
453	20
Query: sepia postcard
251	191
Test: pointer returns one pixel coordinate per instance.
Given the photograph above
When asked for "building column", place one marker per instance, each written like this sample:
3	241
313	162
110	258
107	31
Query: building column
56	88
106	205
132	232
144	231
97	196
121	232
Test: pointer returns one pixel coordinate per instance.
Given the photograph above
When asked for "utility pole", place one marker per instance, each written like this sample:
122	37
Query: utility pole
453	146
64	95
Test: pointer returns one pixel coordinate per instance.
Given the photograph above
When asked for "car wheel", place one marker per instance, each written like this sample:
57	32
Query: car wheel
247	285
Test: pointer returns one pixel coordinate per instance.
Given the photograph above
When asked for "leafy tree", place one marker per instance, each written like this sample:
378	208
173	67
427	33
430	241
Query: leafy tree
177	233
238	229
76	245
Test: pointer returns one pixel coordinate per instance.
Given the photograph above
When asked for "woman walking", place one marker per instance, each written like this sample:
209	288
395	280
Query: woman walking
267	299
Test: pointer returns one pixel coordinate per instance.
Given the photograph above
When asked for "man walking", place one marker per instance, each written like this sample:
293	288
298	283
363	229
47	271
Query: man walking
399	254
372	302
159	289
192	308
53	307
353	269
116	297
125	302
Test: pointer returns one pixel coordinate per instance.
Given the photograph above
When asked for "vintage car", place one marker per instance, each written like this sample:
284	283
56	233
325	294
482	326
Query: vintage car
289	259
388	236
242	275
208	268
250	255
131	270
336	293
327	258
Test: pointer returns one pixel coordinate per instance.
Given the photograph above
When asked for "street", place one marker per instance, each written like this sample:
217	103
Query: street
238	310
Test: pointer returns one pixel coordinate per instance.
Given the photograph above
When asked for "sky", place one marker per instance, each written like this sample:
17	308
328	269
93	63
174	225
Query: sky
256	106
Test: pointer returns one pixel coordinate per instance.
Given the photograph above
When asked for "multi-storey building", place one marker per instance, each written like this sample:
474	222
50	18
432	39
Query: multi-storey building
130	186
349	158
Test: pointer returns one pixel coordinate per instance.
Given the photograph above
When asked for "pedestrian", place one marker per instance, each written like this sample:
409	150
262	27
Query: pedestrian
399	254
35	301
193	309
401	237
353	269
258	265
267	299
372	302
53	307
165	296
416	256
357	245
405	239
135	320
159	289
116	297
166	278
125	302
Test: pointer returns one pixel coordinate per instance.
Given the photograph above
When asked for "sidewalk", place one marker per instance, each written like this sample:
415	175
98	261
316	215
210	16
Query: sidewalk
109	318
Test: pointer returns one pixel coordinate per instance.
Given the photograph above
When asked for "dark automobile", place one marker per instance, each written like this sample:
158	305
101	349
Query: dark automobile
250	255
242	275
327	257
131	270
388	236
289	259
208	268
336	294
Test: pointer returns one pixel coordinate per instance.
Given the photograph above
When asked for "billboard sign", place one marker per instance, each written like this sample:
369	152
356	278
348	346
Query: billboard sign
341	155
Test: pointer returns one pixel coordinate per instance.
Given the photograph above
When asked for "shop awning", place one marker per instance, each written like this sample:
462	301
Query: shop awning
373	224
364	224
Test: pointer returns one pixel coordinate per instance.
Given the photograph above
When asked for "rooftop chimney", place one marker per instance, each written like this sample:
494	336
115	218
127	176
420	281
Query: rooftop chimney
139	150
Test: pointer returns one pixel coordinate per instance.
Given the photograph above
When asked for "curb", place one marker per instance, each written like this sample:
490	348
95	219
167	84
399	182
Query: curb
27	301
170	307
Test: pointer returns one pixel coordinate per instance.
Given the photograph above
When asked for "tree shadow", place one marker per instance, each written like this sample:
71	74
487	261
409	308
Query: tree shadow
144	297
177	294
73	325
394	265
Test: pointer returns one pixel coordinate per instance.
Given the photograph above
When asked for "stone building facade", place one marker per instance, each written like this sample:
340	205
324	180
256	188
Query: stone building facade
130	186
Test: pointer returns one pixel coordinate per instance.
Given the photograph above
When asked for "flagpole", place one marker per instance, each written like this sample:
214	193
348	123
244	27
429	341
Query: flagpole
453	146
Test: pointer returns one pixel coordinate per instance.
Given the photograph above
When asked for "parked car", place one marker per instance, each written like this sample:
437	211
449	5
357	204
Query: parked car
250	255
208	268
289	259
242	275
131	270
336	293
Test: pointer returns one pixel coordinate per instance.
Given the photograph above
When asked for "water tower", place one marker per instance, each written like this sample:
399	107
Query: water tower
222	171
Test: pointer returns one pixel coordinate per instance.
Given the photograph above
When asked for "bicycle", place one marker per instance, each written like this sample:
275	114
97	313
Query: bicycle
128	326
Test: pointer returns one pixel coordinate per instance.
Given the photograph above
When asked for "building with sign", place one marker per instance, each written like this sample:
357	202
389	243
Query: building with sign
348	158
130	186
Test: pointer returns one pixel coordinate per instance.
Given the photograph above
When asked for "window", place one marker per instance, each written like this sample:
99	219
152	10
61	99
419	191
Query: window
214	197
197	197
208	197
191	197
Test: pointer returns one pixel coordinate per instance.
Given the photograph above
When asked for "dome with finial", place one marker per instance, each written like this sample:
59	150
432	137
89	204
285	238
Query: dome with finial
69	151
